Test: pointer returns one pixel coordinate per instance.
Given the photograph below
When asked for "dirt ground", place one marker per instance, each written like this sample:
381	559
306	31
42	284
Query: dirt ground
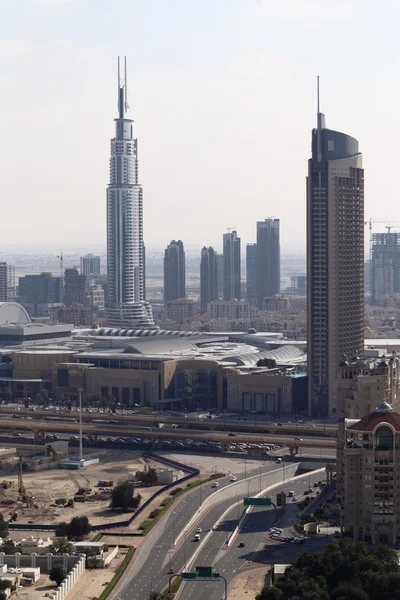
93	581
247	585
47	485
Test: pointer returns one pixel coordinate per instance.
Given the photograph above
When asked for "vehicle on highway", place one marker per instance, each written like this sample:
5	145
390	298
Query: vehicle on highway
291	493
241	545
233	478
215	484
231	434
199	530
279	460
197	537
299	438
171	571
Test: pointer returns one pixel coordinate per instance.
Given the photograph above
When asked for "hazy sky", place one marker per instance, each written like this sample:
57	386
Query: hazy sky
223	97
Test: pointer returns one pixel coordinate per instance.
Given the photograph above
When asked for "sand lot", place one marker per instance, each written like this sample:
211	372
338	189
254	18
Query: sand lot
45	486
248	585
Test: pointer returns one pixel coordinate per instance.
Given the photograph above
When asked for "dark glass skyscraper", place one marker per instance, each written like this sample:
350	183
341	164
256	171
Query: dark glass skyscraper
268	260
251	273
208	277
174	272
385	264
335	262
232	267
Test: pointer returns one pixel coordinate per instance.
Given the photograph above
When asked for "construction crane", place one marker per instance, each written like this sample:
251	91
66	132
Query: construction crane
61	257
388	226
21	487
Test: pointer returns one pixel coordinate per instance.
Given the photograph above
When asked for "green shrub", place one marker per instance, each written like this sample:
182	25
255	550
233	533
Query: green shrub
154	513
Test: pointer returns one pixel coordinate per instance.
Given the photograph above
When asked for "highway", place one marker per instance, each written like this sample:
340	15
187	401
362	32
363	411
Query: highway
160	433
257	550
157	555
222	423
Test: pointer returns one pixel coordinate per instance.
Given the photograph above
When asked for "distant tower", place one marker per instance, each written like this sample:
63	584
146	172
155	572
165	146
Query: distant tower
251	273
335	262
268	260
174	272
125	305
232	283
208	277
90	265
3	282
385	264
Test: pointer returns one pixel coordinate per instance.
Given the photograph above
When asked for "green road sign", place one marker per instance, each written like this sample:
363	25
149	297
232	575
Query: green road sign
203	571
257	501
188	575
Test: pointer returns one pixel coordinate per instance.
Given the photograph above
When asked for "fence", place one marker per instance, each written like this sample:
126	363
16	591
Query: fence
166	461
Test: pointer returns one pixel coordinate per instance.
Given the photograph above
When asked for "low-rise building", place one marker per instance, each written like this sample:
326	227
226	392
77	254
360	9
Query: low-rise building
181	310
76	314
277	303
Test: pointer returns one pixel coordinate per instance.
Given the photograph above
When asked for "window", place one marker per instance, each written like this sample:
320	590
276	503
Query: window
384	438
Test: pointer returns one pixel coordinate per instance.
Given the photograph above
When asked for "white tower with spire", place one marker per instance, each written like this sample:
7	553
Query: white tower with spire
125	306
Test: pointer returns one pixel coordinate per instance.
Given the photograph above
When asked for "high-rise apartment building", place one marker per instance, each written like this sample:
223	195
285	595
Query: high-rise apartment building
385	264
125	305
335	262
232	267
76	289
220	275
174	272
90	265
251	274
268	259
12	292
3	282
37	292
208	277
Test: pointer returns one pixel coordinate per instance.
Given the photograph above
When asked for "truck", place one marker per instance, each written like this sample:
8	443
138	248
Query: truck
103	483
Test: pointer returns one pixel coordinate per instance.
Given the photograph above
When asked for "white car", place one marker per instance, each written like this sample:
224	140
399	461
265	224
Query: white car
233	478
215	484
199	530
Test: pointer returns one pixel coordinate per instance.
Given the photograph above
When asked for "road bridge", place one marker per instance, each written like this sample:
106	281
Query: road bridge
93	431
220	424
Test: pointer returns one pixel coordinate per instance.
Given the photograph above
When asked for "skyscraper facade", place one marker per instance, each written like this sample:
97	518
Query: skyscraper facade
208	277
3	282
335	262
36	292
90	265
385	264
76	290
125	305
232	268
220	275
268	259
251	273
174	272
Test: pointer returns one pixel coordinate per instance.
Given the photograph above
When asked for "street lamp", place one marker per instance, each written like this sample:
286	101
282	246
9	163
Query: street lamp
80	390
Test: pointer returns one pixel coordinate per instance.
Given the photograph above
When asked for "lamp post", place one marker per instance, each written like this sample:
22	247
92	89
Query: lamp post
80	390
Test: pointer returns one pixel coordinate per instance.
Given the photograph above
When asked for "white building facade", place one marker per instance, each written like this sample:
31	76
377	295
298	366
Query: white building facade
125	306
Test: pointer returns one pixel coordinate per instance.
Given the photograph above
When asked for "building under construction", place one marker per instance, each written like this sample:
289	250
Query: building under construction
385	264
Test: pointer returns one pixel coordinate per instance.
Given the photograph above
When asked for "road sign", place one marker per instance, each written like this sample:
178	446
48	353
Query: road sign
203	571
257	501
188	575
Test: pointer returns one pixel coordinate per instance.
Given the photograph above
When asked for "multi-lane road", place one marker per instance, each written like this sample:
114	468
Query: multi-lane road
157	555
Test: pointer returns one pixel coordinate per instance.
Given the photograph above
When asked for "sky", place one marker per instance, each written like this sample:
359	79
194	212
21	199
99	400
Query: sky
223	97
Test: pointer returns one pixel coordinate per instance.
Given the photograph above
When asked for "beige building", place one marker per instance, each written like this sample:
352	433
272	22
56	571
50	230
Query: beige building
362	385
76	314
230	310
371	473
277	303
181	310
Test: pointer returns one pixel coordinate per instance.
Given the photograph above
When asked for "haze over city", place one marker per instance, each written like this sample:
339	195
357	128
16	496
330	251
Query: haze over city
223	98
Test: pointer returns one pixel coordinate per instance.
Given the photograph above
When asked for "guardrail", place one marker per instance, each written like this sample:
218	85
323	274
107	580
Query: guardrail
126	522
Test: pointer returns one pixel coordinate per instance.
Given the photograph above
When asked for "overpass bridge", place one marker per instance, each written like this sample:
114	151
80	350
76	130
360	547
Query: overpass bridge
250	425
93	431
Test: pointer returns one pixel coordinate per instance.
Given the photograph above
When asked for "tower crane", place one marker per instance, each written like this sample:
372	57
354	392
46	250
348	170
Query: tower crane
61	257
388	226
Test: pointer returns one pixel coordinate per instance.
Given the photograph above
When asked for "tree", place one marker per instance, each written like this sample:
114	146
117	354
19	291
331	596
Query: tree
78	528
148	476
61	546
8	547
3	527
270	593
3	596
62	529
58	574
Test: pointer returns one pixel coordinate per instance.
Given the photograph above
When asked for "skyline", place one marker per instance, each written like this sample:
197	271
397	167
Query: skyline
193	104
